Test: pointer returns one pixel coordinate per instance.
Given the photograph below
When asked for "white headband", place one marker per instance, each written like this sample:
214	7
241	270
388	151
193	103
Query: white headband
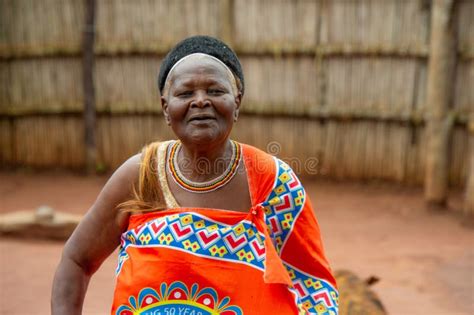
233	82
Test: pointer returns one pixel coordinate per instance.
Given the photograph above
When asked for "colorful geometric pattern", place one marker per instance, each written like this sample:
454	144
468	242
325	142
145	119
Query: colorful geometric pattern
317	296
176	299
122	257
283	205
200	236
241	243
282	208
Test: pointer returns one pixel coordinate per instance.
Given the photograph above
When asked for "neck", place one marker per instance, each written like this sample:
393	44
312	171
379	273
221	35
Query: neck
201	163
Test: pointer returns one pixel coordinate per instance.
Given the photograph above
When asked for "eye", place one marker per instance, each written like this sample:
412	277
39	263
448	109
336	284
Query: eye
215	92
184	94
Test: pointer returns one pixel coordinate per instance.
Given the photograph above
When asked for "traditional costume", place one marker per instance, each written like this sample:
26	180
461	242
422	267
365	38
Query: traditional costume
197	261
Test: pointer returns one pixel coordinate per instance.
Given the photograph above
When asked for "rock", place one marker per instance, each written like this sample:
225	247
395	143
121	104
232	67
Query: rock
44	214
355	296
44	223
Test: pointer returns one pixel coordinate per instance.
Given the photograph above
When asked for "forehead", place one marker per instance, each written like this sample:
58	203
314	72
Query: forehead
196	67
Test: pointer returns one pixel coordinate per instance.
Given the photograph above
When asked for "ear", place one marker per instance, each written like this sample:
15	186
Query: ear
238	100
164	106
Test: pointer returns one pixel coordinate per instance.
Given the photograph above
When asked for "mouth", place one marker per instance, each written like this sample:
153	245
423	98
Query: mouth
201	117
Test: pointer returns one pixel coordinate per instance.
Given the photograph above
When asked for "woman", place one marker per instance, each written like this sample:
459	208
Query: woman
214	226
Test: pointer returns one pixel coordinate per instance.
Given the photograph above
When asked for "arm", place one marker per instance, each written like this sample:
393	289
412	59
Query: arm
94	239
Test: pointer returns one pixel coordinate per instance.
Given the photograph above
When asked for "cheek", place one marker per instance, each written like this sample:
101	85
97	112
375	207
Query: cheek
176	111
228	107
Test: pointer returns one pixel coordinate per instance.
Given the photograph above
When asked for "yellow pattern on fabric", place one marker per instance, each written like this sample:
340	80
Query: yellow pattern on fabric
251	233
299	200
218	251
280	189
145	238
187	219
165	238
194	246
131	239
199	224
225	230
314	284
286	224
239	229
212	228
274	201
320	308
307	305
292	274
248	256
284	177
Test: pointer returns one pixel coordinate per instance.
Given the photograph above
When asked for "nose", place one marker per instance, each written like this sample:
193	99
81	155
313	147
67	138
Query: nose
200	99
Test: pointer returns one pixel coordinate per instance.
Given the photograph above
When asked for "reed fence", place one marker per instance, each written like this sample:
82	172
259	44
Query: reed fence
343	81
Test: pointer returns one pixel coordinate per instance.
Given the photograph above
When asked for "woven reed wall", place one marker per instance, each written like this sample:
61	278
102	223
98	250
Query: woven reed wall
342	81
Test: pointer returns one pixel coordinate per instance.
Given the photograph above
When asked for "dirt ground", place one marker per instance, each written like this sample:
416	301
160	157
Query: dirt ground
425	260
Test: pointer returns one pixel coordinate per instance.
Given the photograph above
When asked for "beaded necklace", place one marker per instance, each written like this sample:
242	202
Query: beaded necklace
208	186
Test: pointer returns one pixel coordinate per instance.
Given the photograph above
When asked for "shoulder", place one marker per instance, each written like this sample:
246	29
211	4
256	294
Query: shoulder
286	187
144	164
266	164
286	177
254	151
126	174
129	172
258	159
270	176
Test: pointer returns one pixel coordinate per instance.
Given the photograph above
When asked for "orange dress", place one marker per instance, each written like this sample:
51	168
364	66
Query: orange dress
199	261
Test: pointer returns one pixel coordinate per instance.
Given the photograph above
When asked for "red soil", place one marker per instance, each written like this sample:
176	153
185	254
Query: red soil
425	260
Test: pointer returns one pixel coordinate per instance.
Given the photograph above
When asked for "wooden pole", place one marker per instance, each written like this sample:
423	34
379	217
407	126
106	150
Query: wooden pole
88	86
469	198
226	22
440	87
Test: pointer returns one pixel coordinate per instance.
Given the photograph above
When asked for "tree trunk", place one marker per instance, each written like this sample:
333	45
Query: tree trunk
88	87
440	87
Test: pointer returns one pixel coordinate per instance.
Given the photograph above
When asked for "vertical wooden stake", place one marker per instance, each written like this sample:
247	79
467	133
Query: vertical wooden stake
88	86
226	21
469	198
440	87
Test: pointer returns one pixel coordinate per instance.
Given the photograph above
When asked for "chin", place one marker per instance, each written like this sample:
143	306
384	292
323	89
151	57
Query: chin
204	137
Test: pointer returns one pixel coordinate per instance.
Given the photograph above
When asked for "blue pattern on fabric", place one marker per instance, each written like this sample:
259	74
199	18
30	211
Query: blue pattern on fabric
198	235
284	204
282	208
315	295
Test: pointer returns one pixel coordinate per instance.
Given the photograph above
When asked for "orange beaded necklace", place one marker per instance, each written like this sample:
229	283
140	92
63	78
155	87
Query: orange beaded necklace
208	186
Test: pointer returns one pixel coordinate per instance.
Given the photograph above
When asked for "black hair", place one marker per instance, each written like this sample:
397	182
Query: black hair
202	44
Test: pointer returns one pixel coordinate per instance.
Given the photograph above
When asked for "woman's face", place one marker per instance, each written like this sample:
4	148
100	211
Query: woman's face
200	105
